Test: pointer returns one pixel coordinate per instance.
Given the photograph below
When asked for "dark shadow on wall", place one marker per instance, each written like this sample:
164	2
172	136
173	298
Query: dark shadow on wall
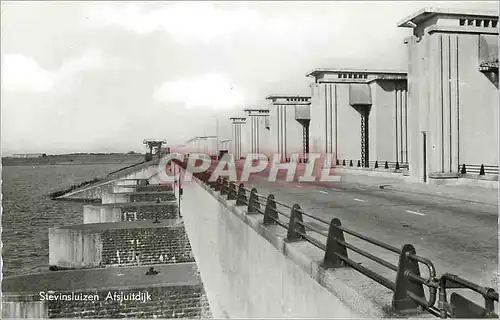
493	77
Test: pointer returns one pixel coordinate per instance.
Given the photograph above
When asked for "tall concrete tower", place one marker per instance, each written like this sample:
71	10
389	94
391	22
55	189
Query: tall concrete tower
289	126
237	140
257	131
360	115
453	90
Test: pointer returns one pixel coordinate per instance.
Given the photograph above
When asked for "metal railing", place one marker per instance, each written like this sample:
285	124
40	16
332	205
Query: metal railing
408	285
480	169
377	164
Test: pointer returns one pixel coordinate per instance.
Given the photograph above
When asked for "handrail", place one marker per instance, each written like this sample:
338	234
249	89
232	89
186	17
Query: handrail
408	285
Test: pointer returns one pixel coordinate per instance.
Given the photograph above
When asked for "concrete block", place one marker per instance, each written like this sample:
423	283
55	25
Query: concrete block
115	198
25	310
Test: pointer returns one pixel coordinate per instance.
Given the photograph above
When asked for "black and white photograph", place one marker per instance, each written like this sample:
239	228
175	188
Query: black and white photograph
249	159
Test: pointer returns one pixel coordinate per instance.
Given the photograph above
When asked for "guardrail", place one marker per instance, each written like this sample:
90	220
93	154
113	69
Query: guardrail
480	169
408	285
375	164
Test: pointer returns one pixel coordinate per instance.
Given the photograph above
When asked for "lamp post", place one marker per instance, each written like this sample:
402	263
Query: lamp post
217	136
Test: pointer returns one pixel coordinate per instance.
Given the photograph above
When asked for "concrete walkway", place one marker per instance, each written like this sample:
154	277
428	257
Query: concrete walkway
100	279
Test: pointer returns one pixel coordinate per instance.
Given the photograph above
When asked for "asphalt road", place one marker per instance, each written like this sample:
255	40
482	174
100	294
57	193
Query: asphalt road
458	236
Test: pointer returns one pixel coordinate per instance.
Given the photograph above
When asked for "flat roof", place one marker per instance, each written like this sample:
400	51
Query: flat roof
274	96
424	14
315	72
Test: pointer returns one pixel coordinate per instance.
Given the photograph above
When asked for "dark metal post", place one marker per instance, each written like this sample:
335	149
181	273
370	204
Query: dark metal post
334	248
253	202
400	300
218	184
223	188
295	226
270	213
233	192
241	199
481	171
464	170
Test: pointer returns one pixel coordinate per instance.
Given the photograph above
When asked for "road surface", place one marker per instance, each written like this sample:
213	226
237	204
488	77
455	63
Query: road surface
457	232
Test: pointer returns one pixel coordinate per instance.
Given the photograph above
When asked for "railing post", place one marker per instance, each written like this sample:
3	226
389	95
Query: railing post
359	163
343	163
295	226
386	165
334	248
397	165
400	299
464	170
211	184
350	163
481	171
337	162
253	202
218	184
241	199
223	187
270	211
376	164
233	192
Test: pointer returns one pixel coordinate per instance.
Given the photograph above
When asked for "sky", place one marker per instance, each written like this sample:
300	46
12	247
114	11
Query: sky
104	76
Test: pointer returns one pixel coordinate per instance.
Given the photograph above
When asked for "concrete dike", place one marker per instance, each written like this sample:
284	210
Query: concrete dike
102	268
250	271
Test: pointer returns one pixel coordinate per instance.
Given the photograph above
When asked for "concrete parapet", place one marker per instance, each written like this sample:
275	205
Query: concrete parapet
126	243
123	189
119	212
98	214
115	198
21	309
140	196
250	271
94	192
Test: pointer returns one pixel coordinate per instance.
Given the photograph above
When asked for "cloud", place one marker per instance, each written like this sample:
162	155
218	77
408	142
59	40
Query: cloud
21	73
209	91
200	21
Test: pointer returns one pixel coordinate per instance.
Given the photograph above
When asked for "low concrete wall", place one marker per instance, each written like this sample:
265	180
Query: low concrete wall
372	172
120	189
101	214
127	243
70	248
469	182
24	309
249	271
115	198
